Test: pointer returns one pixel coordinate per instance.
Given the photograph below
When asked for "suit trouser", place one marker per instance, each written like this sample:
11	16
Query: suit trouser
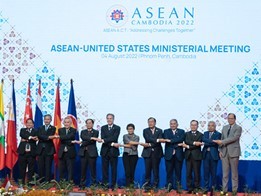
227	164
106	161
152	164
129	162
66	163
193	166
26	160
45	165
85	161
210	170
173	165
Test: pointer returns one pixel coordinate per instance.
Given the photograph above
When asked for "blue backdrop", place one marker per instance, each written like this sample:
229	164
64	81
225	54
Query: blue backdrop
249	174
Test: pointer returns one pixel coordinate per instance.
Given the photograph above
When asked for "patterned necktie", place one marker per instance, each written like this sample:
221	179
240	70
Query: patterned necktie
210	134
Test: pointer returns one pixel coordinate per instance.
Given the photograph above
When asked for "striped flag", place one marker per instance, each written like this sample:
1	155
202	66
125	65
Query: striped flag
72	112
73	115
38	116
2	128
11	141
28	105
57	121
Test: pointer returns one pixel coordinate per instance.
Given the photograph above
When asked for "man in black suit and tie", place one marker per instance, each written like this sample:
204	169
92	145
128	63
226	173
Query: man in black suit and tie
152	153
173	153
88	152
210	155
45	148
193	155
109	150
27	150
67	150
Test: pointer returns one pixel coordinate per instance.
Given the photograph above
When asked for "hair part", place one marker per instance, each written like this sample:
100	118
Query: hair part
30	120
194	121
235	117
89	119
174	120
48	115
110	114
152	118
130	125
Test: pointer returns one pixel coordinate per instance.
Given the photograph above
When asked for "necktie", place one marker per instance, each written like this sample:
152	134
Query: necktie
67	130
210	134
228	131
153	131
109	128
46	127
29	130
174	132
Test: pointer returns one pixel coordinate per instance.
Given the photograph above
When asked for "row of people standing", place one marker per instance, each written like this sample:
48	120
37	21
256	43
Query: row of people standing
176	141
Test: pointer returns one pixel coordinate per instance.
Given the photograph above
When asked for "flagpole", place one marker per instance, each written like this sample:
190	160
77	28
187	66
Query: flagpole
11	172
55	168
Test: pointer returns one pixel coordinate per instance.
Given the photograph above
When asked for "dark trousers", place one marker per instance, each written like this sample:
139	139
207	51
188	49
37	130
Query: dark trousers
85	161
129	162
173	166
152	164
26	160
193	166
45	165
66	163
210	171
106	161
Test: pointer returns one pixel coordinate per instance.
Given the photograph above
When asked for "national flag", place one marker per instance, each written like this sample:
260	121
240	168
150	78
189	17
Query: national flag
57	121
28	105
72	113
2	128
38	116
11	141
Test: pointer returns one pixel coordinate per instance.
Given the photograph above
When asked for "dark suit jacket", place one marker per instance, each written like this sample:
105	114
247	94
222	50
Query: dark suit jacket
110	137
152	140
208	142
44	141
88	144
66	140
179	137
24	134
193	151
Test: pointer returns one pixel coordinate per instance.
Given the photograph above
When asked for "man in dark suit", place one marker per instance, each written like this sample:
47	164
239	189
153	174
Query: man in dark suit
67	150
193	156
173	153
210	155
88	152
45	148
152	153
109	150
27	150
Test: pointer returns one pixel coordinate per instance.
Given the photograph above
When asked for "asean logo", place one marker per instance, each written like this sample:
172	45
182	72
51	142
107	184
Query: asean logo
117	16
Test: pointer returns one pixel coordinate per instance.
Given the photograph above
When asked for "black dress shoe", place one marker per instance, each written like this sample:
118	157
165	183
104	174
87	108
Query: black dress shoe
190	192
155	190
112	187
